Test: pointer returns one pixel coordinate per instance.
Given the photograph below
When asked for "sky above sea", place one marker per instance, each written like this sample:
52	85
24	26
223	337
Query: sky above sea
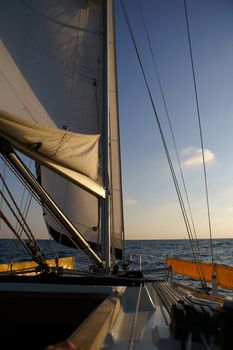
150	201
151	208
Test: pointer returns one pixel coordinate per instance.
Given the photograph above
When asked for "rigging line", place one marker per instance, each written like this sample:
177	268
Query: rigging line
23	227
17	228
200	130
36	197
186	221
27	201
3	188
184	213
167	114
33	245
170	126
25	184
160	130
33	255
21	221
20	179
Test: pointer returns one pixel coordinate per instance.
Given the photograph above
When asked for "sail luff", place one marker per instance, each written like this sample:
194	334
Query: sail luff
117	222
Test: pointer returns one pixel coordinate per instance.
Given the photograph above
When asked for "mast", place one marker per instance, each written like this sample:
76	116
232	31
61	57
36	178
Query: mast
112	210
105	212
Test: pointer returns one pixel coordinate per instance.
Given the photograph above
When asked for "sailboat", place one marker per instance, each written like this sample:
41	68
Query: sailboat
59	107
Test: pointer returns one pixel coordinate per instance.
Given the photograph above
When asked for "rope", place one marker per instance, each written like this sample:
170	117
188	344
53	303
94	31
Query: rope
200	130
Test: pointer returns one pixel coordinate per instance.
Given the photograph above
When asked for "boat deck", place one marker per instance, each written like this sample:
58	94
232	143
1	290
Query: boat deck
145	315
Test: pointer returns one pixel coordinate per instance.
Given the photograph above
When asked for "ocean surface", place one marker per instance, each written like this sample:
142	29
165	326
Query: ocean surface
143	254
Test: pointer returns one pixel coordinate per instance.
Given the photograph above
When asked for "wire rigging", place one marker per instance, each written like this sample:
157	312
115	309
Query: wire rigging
193	242
160	129
186	221
30	245
46	208
200	130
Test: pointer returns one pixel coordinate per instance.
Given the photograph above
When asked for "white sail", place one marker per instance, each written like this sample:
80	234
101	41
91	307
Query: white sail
58	65
17	97
75	151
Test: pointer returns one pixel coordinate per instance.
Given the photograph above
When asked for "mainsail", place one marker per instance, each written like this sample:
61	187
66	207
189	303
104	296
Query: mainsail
53	66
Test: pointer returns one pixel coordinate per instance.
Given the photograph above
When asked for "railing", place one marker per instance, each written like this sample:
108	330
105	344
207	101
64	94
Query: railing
140	259
168	272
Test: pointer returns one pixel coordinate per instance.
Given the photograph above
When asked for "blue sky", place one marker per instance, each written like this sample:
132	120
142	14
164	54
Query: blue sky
150	201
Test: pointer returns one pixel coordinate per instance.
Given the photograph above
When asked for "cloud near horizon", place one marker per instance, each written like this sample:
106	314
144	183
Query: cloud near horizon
194	156
129	202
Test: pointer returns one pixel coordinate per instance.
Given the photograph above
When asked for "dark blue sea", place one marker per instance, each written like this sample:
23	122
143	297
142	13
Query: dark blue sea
144	254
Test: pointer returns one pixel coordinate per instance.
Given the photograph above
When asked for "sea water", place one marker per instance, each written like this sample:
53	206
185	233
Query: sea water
142	254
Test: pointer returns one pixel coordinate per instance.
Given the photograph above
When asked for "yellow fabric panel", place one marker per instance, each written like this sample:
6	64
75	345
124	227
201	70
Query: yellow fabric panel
66	263
224	274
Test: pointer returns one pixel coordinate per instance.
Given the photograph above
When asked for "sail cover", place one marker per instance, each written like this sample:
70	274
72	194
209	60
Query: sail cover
52	73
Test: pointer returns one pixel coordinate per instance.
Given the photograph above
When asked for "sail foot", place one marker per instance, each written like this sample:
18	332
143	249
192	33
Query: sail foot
57	155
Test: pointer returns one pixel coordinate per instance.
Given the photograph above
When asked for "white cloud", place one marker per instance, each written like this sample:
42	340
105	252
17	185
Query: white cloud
193	156
129	202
